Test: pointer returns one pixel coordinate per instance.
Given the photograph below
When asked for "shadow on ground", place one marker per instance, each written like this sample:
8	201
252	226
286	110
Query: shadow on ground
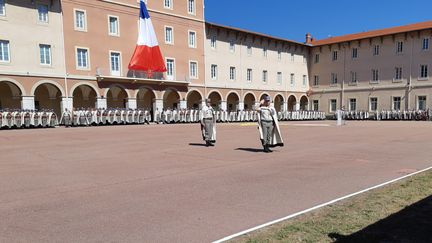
198	144
253	150
412	224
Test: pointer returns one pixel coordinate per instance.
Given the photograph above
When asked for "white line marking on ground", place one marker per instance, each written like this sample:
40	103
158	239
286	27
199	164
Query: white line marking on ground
318	206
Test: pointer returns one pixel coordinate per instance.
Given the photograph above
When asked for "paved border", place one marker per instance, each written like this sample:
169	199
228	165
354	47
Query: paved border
318	206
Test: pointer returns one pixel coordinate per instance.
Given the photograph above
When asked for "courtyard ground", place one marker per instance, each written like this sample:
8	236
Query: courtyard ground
159	184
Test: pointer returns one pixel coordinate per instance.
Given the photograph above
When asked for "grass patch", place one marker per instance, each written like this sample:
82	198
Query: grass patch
399	212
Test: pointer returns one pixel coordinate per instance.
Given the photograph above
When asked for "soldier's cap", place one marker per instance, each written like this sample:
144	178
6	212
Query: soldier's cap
267	98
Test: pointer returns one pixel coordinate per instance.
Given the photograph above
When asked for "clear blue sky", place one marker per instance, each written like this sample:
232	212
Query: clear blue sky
292	19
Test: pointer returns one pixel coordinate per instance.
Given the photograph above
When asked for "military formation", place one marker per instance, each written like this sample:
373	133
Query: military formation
393	115
98	117
16	119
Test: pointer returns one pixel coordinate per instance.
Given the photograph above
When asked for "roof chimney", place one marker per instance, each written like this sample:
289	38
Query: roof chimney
308	38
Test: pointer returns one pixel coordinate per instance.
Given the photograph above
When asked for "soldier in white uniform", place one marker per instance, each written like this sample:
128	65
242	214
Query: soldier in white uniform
208	124
66	118
268	126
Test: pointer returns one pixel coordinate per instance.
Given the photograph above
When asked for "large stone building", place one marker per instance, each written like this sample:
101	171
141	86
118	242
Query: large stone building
73	53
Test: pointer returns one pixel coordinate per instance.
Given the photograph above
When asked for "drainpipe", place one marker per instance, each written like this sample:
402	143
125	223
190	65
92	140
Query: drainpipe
344	76
409	86
64	58
205	53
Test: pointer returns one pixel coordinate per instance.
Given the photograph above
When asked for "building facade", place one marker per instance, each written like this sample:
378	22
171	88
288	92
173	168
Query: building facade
372	71
75	54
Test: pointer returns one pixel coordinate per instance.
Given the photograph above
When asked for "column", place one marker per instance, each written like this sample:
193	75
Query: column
27	103
257	104
285	106
131	103
101	103
183	104
157	105
223	105
241	106
66	103
297	106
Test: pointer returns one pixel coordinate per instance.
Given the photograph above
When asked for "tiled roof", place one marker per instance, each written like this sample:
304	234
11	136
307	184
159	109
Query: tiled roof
374	33
253	33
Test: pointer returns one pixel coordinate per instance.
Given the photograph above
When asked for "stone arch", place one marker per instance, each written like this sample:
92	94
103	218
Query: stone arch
194	99
37	84
145	97
292	102
48	96
116	96
279	102
147	88
262	95
304	103
233	100
249	101
94	87
18	85
84	96
10	95
105	93
171	98
215	99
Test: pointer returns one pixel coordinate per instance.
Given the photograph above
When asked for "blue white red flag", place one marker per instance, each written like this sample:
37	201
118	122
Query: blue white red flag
147	56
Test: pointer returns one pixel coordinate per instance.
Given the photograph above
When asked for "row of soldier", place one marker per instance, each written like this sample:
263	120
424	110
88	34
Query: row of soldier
408	115
222	116
27	119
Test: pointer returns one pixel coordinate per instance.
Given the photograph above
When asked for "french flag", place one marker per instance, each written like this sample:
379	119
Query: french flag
147	56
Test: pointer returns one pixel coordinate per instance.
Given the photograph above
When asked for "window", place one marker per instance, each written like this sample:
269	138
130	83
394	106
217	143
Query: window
115	63
279	55
43	13
169	35
373	104
335	56
170	63
265	76
398	74
232	46
213	42
353	104
213	71
375	75
191	6
316	80
232	73
376	50
193	70
279	77
113	27
249	50
249	75
353	77
317	58
354	53
304	80
396	103
399	47
334	79
2	8
421	103
80	20
4	51
264	52
168	4
424	71
292	57
425	45
333	105
315	105
192	39
45	54
292	80
82	58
